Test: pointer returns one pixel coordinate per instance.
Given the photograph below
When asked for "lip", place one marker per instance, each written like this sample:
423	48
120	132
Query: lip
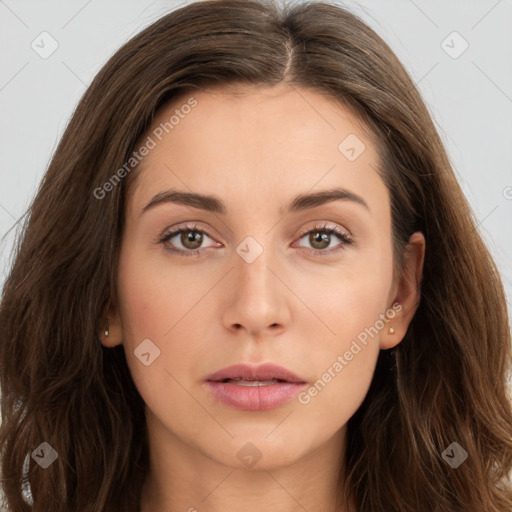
255	398
264	371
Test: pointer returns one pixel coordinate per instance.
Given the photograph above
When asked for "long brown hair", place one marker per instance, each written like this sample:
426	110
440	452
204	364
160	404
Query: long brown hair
444	383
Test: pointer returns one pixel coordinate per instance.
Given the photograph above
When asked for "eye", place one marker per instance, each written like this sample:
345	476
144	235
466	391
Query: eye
190	238
320	237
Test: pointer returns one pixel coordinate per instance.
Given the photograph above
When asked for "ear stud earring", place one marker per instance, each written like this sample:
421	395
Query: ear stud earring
106	332
391	330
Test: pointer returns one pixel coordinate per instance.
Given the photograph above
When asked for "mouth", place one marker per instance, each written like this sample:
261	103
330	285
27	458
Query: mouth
252	388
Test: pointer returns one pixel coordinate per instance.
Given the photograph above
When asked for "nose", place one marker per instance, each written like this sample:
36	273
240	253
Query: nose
257	297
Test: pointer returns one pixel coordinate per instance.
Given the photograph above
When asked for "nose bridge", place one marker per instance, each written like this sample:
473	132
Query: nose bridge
252	263
256	301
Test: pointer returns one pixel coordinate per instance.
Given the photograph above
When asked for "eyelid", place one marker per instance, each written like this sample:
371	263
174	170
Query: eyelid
199	227
326	226
189	226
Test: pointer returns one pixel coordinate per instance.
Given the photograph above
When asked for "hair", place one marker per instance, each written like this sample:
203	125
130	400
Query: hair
445	382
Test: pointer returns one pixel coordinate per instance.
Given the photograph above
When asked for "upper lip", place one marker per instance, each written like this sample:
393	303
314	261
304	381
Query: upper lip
265	371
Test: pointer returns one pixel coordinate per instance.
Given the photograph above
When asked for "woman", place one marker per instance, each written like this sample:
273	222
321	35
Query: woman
250	279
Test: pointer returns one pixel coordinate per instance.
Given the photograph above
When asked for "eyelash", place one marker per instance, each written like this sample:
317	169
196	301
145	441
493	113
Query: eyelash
345	238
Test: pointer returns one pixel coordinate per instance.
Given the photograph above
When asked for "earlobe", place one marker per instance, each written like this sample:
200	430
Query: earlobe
408	291
393	334
110	336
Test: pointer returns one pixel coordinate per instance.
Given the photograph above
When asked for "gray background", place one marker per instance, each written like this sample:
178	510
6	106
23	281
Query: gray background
469	97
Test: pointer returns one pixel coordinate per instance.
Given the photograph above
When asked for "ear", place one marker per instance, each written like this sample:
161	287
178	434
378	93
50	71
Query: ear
111	323
406	292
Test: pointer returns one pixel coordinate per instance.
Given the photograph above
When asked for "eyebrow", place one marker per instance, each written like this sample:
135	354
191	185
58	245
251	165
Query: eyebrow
216	205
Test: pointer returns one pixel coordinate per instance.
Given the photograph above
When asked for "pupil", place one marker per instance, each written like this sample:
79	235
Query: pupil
192	237
319	237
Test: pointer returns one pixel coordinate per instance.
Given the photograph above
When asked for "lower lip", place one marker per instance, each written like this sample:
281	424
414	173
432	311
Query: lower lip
255	398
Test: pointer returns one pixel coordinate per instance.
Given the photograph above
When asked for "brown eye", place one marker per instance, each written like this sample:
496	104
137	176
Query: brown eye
186	241
320	239
191	239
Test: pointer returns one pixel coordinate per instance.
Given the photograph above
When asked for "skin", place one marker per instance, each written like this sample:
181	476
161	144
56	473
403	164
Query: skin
256	150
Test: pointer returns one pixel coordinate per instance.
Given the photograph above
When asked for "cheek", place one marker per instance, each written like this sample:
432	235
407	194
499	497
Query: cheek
346	335
159	304
347	300
153	294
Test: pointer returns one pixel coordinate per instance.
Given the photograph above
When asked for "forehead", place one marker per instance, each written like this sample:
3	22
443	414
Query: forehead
250	138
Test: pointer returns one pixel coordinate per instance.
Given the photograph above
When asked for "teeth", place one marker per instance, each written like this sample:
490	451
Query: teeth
242	382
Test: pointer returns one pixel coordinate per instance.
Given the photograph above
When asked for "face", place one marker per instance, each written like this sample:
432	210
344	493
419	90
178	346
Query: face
303	284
